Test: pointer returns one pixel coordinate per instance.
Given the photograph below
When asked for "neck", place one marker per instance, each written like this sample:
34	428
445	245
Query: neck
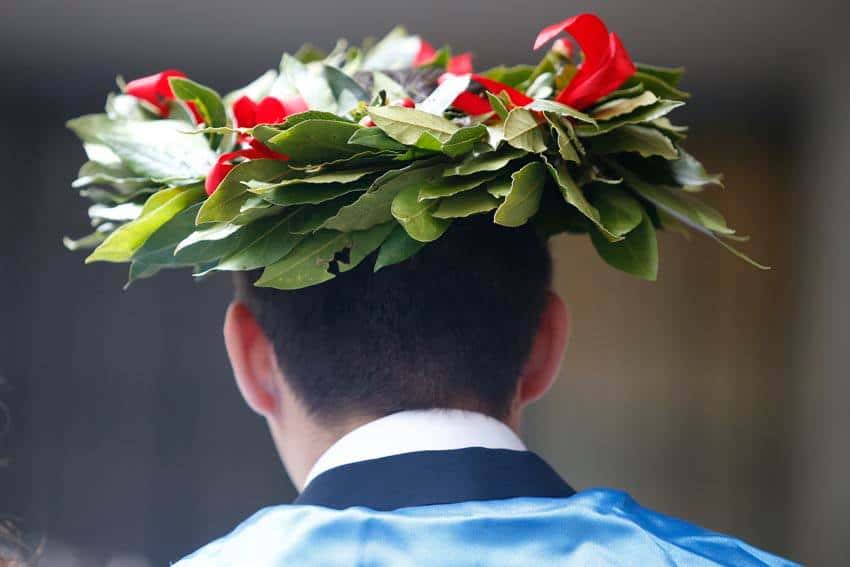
301	442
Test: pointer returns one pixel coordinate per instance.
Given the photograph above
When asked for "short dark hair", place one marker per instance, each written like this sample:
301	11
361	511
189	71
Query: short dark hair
450	327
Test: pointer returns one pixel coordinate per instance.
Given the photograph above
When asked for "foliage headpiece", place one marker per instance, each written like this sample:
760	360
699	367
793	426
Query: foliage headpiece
310	169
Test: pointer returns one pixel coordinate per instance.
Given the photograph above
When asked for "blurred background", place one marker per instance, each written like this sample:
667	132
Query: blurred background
719	394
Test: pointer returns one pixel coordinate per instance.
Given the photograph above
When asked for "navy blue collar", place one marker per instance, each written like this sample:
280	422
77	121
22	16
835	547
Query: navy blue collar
435	477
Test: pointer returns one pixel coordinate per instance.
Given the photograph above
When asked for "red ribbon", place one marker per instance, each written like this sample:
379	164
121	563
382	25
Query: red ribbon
606	63
225	162
248	114
457	65
426	54
460	64
156	90
474	105
270	110
606	66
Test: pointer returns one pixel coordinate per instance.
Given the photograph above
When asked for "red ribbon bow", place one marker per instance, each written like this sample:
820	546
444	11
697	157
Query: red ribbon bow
156	90
606	66
606	63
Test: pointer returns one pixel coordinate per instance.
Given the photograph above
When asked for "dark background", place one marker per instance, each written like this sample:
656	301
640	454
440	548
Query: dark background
718	394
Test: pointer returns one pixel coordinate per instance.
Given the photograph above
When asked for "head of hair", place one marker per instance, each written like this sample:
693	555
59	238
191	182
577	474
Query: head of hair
450	327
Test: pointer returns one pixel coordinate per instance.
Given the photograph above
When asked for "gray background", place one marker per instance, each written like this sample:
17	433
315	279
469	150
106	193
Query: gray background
718	394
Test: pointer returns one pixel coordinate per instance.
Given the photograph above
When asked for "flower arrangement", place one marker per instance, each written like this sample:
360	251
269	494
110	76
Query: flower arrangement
376	150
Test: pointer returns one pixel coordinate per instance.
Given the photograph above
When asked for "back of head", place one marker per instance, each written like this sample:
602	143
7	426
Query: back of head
451	327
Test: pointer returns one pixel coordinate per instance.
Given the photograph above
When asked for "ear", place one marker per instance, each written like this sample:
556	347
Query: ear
547	352
253	359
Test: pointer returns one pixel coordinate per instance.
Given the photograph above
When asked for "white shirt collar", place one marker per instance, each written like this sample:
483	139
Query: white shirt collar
419	430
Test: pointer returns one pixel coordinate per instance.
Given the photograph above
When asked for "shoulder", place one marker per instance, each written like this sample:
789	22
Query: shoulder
589	527
262	539
618	521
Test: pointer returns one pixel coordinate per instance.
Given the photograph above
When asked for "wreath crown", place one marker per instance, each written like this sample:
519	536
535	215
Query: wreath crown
312	168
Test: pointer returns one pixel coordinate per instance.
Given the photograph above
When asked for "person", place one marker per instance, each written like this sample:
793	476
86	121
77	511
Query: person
398	204
395	401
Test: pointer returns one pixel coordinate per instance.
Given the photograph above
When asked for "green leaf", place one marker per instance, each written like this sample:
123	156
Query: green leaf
428	142
365	158
573	195
688	172
309	82
645	141
488	161
444	95
511	76
364	242
86	242
308	53
554	107
307	264
622	93
670	75
310	262
158	251
159	209
464	140
619	212
495	135
375	206
159	149
550	64
416	216
206	100
622	106
542	87
88	128
636	254
126	107
740	254
316	141
500	187
397	248
557	216
268	241
672	130
311	218
642	114
307	194
524	198
203	236
522	131
115	176
564	135
253	209
396	51
407	125
323	177
447	186
265	132
498	105
375	138
682	205
345	89
466	204
383	82
657	85
226	203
